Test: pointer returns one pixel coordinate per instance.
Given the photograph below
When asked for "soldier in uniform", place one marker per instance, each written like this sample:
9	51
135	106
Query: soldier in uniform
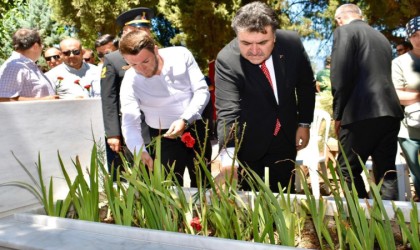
113	71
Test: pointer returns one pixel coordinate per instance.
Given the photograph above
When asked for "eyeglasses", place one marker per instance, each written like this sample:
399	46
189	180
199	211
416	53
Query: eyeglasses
100	55
86	59
49	58
75	52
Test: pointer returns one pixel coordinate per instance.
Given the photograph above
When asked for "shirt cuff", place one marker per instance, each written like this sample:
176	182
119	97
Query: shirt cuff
226	157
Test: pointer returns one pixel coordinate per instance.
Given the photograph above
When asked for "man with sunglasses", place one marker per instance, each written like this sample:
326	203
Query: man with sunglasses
88	56
20	77
74	78
53	57
114	68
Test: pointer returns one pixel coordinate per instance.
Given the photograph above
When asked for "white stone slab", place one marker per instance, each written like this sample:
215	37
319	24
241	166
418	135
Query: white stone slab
45	127
26	231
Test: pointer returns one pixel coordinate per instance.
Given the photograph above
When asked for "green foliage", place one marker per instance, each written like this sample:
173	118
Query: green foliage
92	18
204	25
389	16
39	189
410	233
35	14
317	209
154	199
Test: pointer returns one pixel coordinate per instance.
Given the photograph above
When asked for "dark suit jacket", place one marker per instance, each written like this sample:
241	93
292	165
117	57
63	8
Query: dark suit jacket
112	74
361	74
244	94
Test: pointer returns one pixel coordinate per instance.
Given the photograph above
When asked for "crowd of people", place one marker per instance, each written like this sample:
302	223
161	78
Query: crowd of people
264	95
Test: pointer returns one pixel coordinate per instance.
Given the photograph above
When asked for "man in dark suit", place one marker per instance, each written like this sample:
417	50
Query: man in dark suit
366	108
273	112
113	71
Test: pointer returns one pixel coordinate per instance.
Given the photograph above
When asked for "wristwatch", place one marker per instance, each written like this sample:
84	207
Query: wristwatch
187	124
304	125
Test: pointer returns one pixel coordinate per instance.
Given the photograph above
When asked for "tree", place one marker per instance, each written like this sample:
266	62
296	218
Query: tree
204	25
92	18
390	16
35	14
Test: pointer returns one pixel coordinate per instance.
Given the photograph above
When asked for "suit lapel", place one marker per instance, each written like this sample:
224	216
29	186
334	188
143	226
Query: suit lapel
258	79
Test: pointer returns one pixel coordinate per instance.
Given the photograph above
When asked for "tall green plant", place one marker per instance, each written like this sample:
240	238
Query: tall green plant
317	209
39	190
358	227
410	232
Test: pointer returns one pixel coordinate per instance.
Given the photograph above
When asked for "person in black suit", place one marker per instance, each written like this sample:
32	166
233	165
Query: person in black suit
114	68
273	114
366	108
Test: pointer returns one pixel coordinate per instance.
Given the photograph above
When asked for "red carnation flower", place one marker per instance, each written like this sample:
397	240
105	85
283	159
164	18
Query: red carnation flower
188	140
77	81
195	223
58	85
87	86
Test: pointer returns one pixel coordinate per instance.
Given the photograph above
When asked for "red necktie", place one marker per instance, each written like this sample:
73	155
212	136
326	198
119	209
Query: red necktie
267	74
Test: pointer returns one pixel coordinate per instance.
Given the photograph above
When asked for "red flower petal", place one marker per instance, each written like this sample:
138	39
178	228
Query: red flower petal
188	140
195	223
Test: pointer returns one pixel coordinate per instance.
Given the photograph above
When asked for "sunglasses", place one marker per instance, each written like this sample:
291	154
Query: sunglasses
75	52
86	59
49	58
100	55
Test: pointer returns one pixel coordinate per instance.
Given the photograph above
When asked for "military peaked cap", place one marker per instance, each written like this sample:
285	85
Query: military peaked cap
137	17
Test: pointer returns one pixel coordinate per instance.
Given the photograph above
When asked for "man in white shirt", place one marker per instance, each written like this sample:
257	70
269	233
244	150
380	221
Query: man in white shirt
75	78
169	87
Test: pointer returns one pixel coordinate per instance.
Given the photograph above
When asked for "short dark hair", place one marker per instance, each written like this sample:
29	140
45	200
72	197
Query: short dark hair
406	45
328	61
254	17
135	41
104	39
24	39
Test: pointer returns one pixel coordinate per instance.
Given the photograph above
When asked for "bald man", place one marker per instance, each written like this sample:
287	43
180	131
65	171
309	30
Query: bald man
366	108
74	78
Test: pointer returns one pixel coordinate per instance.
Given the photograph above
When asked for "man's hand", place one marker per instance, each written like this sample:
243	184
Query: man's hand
176	129
51	97
302	138
337	127
147	160
226	174
114	143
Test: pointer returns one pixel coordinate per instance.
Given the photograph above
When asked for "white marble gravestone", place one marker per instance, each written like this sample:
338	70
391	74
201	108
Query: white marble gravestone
46	127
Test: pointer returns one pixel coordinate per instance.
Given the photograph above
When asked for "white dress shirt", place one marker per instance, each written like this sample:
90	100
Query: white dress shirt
180	91
88	78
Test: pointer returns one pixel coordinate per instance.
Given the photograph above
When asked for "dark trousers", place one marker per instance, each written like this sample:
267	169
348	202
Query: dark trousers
175	151
280	160
376	138
113	160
